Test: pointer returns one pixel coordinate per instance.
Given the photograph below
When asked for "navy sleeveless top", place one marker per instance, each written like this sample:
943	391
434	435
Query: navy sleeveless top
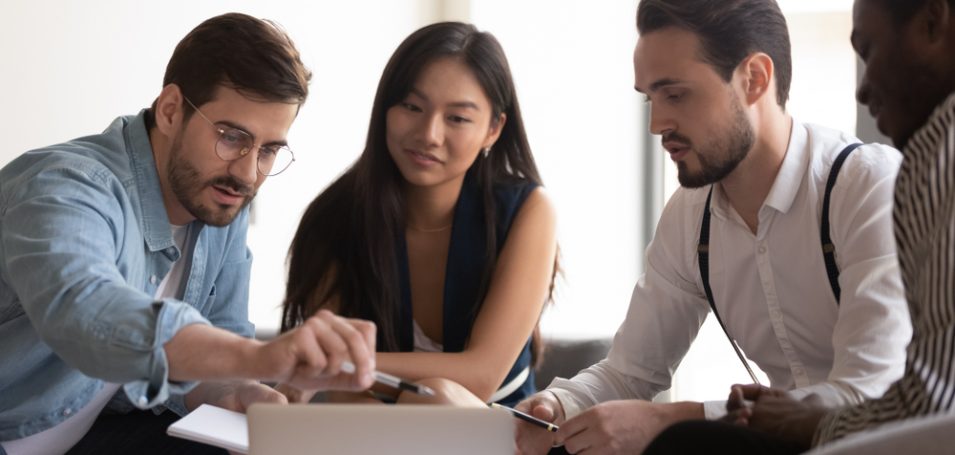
462	281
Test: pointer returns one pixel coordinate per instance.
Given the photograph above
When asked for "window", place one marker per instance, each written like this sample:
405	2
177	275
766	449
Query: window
573	66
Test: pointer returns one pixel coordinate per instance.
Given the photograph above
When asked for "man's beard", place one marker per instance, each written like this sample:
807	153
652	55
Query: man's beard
185	182
719	157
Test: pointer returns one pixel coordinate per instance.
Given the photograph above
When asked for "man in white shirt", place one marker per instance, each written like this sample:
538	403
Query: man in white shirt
908	84
717	76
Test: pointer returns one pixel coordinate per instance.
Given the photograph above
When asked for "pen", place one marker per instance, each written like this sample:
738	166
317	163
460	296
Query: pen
527	417
393	381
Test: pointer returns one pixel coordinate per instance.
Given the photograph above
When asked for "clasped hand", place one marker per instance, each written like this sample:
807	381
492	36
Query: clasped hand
775	412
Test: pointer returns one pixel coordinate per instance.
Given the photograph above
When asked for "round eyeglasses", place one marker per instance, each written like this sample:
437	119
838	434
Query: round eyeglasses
234	143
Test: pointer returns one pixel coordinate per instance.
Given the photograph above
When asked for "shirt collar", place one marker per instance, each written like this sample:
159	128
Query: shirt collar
924	142
153	220
788	179
792	171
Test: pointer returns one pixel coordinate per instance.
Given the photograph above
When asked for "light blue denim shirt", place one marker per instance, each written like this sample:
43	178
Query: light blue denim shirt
84	243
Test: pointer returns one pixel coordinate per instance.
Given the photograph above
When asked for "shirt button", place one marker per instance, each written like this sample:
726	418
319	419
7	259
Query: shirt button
67	411
142	402
762	250
153	279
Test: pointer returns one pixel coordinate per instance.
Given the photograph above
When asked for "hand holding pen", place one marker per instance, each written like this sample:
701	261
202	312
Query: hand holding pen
531	437
527	417
302	357
392	381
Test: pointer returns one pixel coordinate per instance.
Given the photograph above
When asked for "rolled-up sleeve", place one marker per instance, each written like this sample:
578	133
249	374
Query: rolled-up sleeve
63	232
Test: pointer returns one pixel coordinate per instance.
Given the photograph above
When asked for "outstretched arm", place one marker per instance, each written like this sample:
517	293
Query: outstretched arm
308	357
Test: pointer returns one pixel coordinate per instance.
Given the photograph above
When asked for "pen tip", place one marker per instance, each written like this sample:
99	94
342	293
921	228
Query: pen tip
427	391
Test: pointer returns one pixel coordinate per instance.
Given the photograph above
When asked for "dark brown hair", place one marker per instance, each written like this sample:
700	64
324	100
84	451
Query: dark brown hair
345	245
253	56
729	31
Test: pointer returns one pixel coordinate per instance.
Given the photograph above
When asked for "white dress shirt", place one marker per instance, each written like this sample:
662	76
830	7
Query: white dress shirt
771	288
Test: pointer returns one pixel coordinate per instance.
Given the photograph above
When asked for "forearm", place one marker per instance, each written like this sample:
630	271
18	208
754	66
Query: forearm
210	392
831	394
597	384
481	377
205	353
917	394
683	410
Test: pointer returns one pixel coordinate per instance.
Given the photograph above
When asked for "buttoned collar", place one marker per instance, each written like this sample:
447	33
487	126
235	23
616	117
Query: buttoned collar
788	180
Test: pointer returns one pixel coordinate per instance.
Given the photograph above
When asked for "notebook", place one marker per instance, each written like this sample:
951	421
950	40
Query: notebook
214	426
368	429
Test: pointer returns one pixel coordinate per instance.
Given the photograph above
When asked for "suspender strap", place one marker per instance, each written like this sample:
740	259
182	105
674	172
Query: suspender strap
828	249
703	257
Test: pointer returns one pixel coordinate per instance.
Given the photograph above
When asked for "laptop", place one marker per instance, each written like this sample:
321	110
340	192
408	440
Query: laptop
370	429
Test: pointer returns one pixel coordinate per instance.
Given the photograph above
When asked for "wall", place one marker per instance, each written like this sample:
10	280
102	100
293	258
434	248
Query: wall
573	65
71	67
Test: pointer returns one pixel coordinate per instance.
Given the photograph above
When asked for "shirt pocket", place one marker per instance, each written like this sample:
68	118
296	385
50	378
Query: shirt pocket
209	301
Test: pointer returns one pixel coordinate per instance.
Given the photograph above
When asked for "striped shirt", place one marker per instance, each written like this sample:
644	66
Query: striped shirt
924	216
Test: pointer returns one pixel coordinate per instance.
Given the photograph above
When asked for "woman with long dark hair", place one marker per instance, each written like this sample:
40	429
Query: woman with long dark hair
440	233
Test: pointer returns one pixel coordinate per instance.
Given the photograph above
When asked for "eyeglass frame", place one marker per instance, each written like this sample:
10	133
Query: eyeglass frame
246	150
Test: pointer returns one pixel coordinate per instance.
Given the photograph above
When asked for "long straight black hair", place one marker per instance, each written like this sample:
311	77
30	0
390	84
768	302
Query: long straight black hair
345	246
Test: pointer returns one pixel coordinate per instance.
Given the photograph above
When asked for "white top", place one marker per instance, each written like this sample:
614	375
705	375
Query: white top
771	288
424	343
62	437
172	282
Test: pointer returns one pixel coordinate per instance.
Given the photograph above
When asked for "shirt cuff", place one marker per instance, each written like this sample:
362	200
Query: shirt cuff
568	402
713	410
157	389
177	402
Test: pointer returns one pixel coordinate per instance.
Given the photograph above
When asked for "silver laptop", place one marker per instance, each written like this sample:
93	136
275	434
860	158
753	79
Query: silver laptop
372	429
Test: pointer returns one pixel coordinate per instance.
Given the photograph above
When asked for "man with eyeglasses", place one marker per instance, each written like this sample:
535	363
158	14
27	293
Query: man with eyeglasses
124	269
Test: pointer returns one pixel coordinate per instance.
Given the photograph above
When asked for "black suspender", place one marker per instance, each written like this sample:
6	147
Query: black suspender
703	256
828	251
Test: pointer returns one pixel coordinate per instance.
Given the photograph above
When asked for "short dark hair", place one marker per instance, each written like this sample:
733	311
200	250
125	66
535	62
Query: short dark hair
903	10
253	56
729	31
